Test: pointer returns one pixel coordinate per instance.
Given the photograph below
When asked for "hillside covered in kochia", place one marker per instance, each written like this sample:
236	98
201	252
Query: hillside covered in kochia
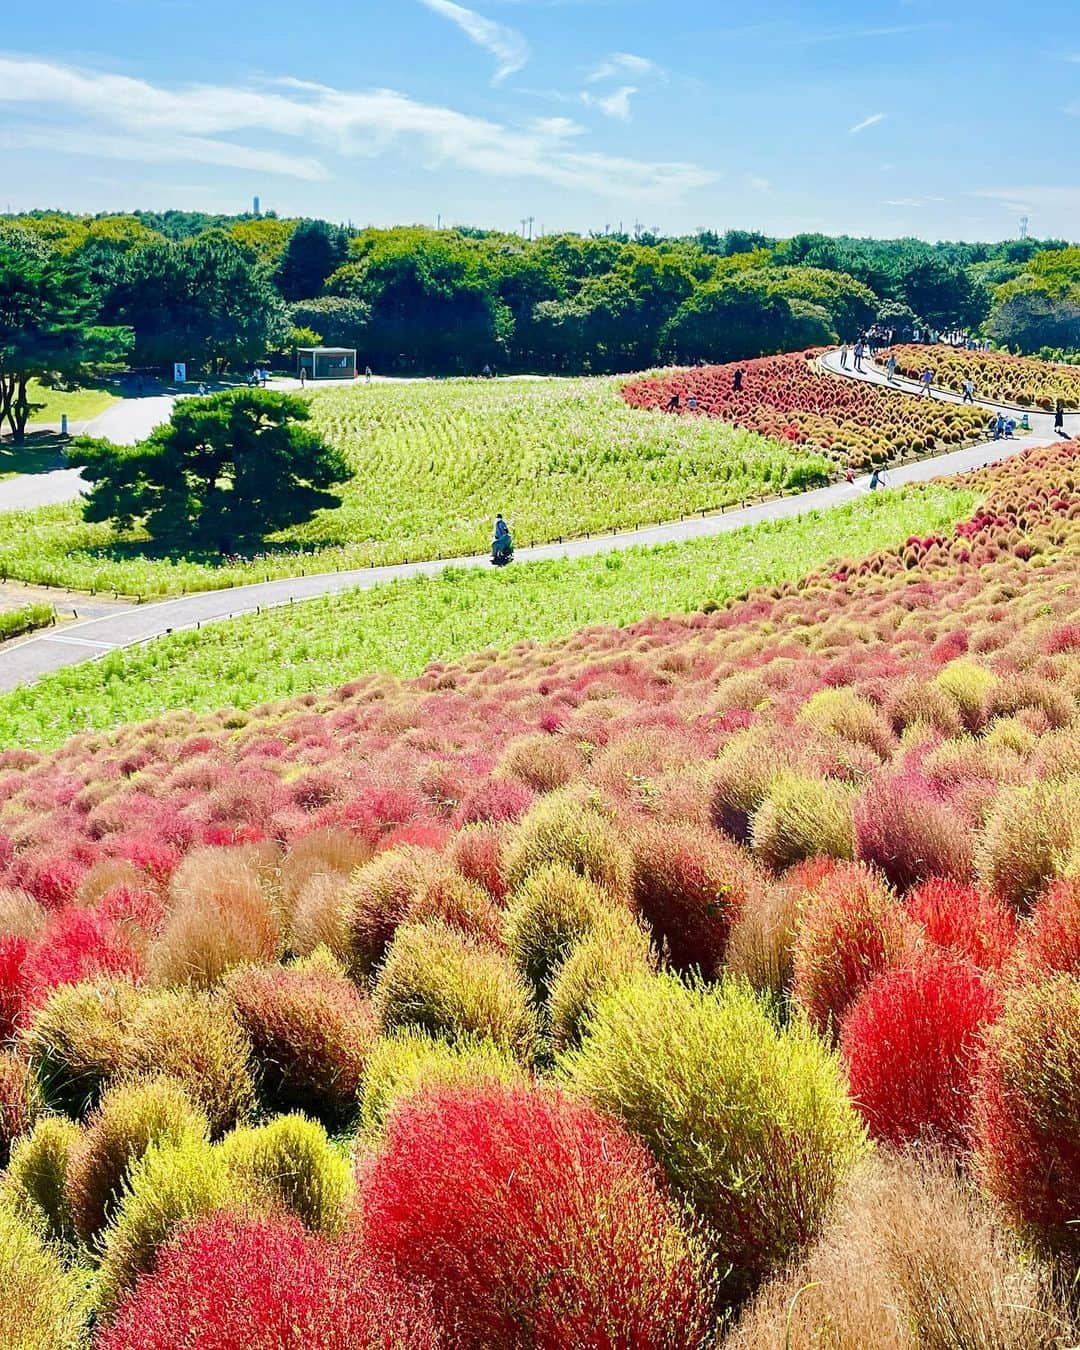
640	968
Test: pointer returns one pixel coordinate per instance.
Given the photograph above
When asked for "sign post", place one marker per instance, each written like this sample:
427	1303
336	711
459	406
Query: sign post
180	372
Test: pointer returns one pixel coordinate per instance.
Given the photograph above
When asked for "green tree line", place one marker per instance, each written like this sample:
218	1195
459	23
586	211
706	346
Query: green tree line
225	292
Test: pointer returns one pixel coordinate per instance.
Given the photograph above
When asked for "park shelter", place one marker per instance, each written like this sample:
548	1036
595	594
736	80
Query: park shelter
327	363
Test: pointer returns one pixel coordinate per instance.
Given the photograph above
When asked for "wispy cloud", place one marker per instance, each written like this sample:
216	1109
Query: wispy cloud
506	45
758	183
98	114
615	104
866	123
621	64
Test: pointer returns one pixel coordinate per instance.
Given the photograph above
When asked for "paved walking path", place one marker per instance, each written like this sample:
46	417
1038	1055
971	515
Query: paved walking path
24	662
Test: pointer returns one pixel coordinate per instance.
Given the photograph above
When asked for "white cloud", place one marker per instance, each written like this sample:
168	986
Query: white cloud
904	201
96	113
506	45
622	64
867	122
616	104
1034	199
759	184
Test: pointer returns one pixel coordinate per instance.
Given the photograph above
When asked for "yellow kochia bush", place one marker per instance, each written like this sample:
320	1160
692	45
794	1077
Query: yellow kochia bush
564	828
751	1122
1030	834
803	817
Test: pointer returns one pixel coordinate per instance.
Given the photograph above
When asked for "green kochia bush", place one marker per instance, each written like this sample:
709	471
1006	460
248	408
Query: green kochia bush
562	828
37	1177
129	1118
437	979
410	1061
168	1187
750	1122
290	1163
616	949
552	908
41	1304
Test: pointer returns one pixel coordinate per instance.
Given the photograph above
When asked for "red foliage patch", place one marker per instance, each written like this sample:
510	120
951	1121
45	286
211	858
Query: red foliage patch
911	1044
536	1222
265	1284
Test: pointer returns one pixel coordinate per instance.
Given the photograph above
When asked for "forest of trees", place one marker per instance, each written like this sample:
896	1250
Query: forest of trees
224	292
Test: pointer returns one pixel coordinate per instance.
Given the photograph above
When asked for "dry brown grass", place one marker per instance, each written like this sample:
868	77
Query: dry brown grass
915	1260
222	916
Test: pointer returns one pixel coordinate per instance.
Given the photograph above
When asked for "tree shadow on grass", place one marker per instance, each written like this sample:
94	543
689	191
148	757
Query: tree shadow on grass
39	452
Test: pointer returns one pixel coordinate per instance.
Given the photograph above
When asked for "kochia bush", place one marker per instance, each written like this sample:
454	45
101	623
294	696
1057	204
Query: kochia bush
689	885
536	1223
265	1284
911	1044
438	980
1027	1121
41	1307
763	1171
851	928
545	916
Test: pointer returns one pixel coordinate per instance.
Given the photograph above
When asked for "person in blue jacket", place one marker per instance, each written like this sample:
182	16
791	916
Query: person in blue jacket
502	546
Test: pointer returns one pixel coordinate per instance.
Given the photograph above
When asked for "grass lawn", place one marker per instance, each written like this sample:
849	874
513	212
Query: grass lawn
403	626
433	463
80	404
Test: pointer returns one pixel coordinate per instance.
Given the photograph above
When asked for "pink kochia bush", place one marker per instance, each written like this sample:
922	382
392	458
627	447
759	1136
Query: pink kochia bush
911	1043
266	1284
535	1222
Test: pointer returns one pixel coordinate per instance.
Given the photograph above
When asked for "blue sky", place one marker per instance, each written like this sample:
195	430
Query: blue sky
940	118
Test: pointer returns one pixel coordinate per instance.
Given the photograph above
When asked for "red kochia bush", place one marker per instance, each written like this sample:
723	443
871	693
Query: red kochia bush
77	945
689	884
13	952
536	1222
851	927
911	1045
965	921
1027	1118
265	1284
1051	941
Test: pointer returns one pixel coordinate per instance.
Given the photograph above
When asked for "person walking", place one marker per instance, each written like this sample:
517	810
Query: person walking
673	402
736	383
999	426
877	479
1059	418
845	352
303	377
502	545
890	367
926	380
969	390
859	350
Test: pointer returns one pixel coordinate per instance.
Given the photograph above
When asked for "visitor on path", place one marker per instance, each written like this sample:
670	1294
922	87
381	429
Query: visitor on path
845	352
859	350
502	545
969	390
927	380
1010	428
691	403
487	372
1059	418
673	402
877	479
736	383
367	374
999	426
890	367
303	377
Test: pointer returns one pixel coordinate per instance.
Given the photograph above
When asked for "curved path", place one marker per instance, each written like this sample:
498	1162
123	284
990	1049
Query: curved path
41	654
